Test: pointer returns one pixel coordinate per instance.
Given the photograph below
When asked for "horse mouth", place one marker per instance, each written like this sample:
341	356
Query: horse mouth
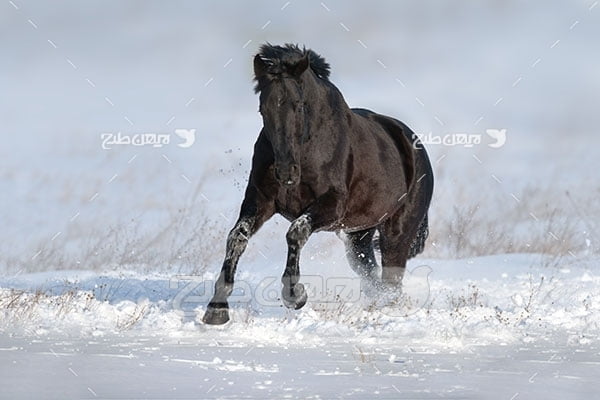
289	183
287	175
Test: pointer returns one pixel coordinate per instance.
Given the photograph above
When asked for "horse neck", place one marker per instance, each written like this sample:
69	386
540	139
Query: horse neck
328	124
327	103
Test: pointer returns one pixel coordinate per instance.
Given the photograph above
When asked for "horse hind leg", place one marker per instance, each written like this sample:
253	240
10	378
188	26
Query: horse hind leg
395	248
360	253
401	237
394	254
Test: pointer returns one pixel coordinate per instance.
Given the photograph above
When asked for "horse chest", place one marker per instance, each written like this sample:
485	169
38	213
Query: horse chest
291	202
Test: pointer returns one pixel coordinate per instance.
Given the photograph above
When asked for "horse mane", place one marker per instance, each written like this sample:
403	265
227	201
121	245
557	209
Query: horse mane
278	58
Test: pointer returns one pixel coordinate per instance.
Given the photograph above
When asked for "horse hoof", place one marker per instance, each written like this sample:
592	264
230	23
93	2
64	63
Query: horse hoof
216	316
297	300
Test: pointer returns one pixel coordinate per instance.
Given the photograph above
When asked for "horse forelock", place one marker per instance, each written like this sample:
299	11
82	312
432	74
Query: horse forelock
279	58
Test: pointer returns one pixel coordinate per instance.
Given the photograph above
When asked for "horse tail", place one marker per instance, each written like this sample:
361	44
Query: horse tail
418	244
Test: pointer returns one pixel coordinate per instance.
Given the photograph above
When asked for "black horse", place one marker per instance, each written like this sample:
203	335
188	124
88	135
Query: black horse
326	167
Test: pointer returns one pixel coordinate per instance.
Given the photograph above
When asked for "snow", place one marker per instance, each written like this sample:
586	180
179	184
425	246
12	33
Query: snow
454	304
151	367
487	327
108	257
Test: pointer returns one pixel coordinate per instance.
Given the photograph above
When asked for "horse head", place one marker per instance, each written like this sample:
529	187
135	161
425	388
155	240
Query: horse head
284	110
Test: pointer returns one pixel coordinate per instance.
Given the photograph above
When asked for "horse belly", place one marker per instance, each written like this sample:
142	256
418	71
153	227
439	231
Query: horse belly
375	193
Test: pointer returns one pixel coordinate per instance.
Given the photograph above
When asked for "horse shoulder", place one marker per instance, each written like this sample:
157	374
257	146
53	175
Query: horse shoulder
261	174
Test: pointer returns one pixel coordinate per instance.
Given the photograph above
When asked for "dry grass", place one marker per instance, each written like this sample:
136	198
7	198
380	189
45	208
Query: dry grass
133	318
553	223
20	306
185	240
545	222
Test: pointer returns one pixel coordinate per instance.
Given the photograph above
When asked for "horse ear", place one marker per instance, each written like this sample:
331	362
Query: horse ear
301	66
260	67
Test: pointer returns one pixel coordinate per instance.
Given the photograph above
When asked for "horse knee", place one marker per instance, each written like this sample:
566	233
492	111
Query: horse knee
237	239
299	232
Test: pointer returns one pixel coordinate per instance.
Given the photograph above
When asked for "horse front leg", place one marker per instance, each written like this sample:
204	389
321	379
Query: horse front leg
250	220
293	294
217	311
321	215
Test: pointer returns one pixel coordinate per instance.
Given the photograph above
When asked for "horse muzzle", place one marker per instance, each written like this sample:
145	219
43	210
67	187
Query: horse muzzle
287	174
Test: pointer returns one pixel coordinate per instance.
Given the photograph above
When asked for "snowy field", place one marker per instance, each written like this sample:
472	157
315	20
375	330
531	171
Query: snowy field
488	327
491	327
108	256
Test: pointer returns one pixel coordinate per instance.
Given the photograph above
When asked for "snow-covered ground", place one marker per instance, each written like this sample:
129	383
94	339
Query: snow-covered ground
489	327
107	257
221	367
